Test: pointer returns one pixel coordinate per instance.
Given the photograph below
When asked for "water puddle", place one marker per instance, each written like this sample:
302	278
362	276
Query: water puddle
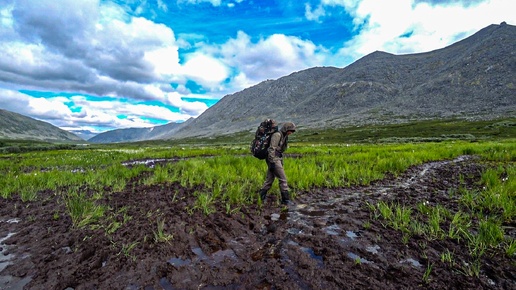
219	256
10	282
5	256
200	253
5	238
373	249
13	283
151	163
165	284
294	231
352	235
414	263
358	259
332	230
310	252
292	243
275	217
177	262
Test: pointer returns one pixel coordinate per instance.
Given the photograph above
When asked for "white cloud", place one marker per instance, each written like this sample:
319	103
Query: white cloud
193	109
132	111
271	57
409	26
57	110
14	101
165	61
162	5
314	14
98	51
46	109
49	108
205	70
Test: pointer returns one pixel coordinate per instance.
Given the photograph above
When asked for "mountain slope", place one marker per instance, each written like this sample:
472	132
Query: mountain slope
136	134
473	78
16	126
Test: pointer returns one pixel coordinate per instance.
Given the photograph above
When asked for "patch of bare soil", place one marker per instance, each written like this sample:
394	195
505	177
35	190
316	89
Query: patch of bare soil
327	240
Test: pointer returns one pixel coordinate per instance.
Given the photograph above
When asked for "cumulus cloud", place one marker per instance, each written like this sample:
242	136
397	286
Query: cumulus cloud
192	109
314	14
77	112
271	57
205	69
411	26
95	48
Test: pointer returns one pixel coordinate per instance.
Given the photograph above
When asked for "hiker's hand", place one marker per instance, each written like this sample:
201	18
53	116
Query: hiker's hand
272	167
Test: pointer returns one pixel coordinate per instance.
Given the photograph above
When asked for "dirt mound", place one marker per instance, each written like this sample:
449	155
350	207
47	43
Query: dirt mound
158	240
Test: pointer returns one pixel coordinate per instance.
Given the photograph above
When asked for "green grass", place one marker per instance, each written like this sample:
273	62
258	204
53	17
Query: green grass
160	236
421	131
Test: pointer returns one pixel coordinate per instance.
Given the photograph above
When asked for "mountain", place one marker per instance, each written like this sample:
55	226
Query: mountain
84	134
470	79
136	134
16	126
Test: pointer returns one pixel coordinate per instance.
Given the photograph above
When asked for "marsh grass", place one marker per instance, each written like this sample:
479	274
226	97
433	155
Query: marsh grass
82	210
126	250
426	274
510	248
447	257
205	203
228	173
160	236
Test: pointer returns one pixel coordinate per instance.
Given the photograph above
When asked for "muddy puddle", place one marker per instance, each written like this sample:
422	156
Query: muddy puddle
8	282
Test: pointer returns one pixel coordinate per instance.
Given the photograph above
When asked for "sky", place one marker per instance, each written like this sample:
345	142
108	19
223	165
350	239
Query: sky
100	65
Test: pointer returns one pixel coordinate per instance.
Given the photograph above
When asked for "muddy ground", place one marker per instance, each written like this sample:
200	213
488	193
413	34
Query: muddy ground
327	240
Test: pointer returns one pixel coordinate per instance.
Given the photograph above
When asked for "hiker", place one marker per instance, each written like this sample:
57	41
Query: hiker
278	145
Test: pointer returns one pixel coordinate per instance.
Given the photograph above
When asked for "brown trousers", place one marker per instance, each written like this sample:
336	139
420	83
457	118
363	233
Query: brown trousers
279	173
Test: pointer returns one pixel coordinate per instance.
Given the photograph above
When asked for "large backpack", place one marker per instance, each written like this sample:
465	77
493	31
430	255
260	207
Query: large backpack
262	139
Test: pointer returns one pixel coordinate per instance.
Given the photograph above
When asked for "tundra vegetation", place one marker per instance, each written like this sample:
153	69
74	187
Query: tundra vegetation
227	176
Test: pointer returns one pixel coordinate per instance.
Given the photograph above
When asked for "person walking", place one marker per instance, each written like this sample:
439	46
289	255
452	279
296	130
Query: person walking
278	145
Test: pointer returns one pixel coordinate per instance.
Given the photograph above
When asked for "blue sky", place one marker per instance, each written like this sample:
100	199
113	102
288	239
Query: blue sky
105	64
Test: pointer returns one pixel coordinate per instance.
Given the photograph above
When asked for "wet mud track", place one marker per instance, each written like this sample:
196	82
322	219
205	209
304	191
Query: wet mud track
326	240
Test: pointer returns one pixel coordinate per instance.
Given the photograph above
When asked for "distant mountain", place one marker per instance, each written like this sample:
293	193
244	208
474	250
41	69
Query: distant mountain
137	134
16	126
470	79
84	134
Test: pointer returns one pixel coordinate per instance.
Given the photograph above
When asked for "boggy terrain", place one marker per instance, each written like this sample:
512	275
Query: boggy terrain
328	239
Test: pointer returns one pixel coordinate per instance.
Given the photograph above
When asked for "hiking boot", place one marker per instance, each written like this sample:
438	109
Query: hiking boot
285	198
263	194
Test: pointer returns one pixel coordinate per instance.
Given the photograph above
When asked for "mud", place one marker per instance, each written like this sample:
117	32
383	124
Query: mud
326	240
